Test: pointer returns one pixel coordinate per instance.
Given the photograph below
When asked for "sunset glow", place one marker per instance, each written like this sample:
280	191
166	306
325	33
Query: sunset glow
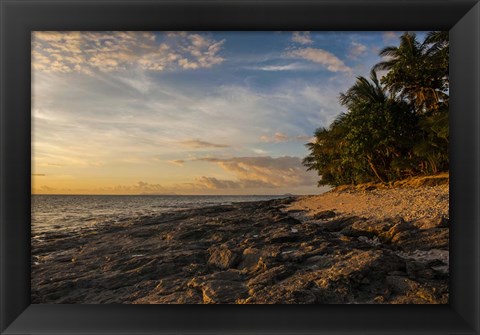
184	112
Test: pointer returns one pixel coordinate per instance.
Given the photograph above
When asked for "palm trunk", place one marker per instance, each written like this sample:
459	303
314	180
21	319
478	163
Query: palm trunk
372	166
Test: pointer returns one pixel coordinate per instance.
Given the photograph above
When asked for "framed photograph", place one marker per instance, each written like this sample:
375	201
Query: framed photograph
251	167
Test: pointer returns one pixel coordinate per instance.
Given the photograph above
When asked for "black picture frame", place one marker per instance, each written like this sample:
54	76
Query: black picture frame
20	17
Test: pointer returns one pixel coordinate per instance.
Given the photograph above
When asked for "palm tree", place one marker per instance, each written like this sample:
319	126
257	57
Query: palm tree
405	64
364	92
414	72
437	43
366	100
438	40
407	54
326	153
394	127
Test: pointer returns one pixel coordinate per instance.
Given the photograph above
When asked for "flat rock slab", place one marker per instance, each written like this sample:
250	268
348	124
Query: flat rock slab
246	253
223	292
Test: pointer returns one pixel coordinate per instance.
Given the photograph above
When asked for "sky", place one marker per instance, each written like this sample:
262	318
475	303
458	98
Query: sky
187	112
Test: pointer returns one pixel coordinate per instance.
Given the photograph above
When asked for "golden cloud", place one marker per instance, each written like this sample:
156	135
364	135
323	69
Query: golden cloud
86	52
266	171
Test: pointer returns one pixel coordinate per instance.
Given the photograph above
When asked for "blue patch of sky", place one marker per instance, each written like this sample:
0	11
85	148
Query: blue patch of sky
246	53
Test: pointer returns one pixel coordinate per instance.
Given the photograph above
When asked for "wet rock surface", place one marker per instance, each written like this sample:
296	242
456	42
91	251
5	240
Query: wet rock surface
246	253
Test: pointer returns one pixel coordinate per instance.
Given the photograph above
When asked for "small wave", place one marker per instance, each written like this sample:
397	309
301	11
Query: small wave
69	213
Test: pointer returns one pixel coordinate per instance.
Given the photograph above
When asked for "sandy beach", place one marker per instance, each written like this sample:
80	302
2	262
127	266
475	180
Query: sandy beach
375	202
368	245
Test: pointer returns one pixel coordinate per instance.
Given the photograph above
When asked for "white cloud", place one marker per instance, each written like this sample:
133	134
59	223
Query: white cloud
389	36
87	52
205	52
259	151
287	67
302	37
178	162
320	56
357	50
198	144
277	137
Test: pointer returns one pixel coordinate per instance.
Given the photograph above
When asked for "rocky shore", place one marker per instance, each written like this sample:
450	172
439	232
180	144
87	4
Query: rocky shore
296	250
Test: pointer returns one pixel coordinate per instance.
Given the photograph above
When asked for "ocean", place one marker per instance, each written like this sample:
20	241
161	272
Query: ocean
74	213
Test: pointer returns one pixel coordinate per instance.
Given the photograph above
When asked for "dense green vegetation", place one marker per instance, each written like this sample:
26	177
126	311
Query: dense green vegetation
394	127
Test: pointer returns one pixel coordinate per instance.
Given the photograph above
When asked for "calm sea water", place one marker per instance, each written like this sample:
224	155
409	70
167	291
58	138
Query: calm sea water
78	212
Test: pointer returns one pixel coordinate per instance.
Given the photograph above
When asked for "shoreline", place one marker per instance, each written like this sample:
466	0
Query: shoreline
275	251
374	202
